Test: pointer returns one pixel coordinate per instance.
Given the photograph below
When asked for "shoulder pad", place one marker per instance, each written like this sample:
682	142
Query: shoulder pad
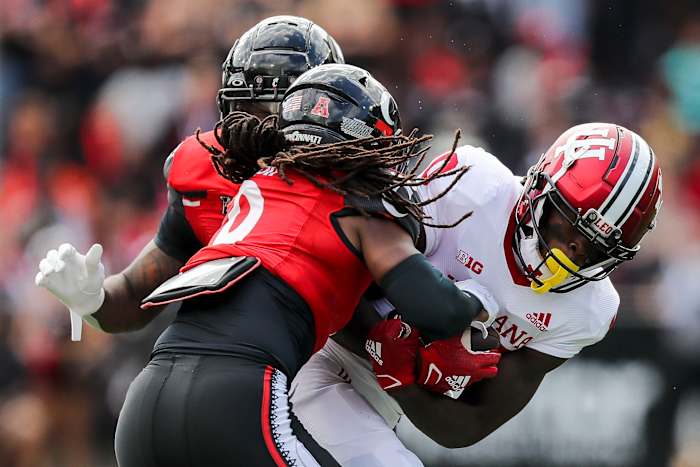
380	207
169	162
485	184
189	167
476	157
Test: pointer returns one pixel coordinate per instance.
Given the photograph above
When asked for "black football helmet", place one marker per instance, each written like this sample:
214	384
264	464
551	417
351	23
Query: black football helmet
266	59
337	102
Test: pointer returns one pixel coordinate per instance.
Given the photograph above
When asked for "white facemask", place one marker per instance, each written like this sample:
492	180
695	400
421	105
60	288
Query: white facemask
551	273
529	249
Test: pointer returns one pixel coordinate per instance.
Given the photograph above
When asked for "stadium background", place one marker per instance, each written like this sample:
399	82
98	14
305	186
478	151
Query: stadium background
95	93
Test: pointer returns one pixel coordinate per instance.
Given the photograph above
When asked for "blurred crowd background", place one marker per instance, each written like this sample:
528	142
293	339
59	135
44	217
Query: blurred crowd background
94	94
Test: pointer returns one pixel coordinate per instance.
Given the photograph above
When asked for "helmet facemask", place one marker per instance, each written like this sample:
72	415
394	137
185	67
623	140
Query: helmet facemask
266	60
239	95
549	269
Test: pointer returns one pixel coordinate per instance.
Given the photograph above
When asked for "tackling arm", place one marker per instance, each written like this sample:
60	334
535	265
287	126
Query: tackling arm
484	407
112	304
412	284
120	311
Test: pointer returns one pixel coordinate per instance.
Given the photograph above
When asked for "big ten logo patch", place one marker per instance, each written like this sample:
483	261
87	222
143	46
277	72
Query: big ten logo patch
469	262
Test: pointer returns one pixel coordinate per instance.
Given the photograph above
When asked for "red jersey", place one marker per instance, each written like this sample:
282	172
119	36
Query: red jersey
290	228
204	193
293	230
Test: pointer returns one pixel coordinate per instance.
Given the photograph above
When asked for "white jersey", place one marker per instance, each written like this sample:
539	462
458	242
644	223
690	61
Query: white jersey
480	248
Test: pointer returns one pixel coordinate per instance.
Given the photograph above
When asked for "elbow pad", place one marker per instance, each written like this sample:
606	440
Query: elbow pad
426	299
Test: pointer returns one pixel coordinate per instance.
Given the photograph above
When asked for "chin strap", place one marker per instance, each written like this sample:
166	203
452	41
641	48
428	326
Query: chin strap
559	273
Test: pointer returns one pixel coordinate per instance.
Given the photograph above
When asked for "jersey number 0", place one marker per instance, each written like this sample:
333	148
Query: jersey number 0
244	212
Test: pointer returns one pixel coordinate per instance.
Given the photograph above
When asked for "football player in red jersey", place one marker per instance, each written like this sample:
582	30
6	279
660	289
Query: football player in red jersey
259	68
309	216
302	218
257	71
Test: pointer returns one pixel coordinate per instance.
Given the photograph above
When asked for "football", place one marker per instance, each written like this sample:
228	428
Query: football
491	342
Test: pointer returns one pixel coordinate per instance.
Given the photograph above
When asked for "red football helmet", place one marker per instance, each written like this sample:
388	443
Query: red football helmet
606	181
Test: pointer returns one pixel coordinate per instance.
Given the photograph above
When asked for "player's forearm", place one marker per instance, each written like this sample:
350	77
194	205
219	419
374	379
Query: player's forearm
428	300
484	407
450	423
120	311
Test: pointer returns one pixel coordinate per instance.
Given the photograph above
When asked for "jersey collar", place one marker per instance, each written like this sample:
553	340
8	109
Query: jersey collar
519	278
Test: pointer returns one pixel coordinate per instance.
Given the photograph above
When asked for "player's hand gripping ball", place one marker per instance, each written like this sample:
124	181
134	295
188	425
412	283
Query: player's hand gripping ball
392	346
448	366
479	343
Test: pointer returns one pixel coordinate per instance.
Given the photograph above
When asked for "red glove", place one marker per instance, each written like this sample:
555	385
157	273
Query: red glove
392	346
447	367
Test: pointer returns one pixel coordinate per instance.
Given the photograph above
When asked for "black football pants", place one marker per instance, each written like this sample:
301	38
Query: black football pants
211	411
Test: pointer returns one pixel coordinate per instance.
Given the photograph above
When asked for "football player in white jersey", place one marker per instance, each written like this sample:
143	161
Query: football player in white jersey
537	252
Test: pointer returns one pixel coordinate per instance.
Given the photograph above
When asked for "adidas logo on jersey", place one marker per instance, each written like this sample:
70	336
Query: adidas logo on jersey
457	383
540	320
374	349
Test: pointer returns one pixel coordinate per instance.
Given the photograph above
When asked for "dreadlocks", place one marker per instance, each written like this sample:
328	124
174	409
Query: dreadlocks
368	165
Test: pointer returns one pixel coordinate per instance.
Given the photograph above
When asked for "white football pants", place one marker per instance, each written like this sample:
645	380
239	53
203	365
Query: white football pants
339	416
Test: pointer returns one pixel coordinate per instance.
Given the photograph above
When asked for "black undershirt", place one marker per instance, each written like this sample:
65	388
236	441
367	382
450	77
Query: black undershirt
261	317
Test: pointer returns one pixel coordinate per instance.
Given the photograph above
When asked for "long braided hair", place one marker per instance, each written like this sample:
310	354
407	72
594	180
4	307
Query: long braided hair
367	166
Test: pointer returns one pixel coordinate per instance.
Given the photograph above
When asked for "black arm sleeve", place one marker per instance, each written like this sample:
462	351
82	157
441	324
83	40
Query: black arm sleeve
175	236
428	300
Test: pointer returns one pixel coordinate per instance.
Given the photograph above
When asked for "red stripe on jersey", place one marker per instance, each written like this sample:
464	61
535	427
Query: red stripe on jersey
515	273
437	164
265	419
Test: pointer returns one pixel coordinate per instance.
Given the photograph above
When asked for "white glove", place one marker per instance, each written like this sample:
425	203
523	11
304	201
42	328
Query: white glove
488	301
76	280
